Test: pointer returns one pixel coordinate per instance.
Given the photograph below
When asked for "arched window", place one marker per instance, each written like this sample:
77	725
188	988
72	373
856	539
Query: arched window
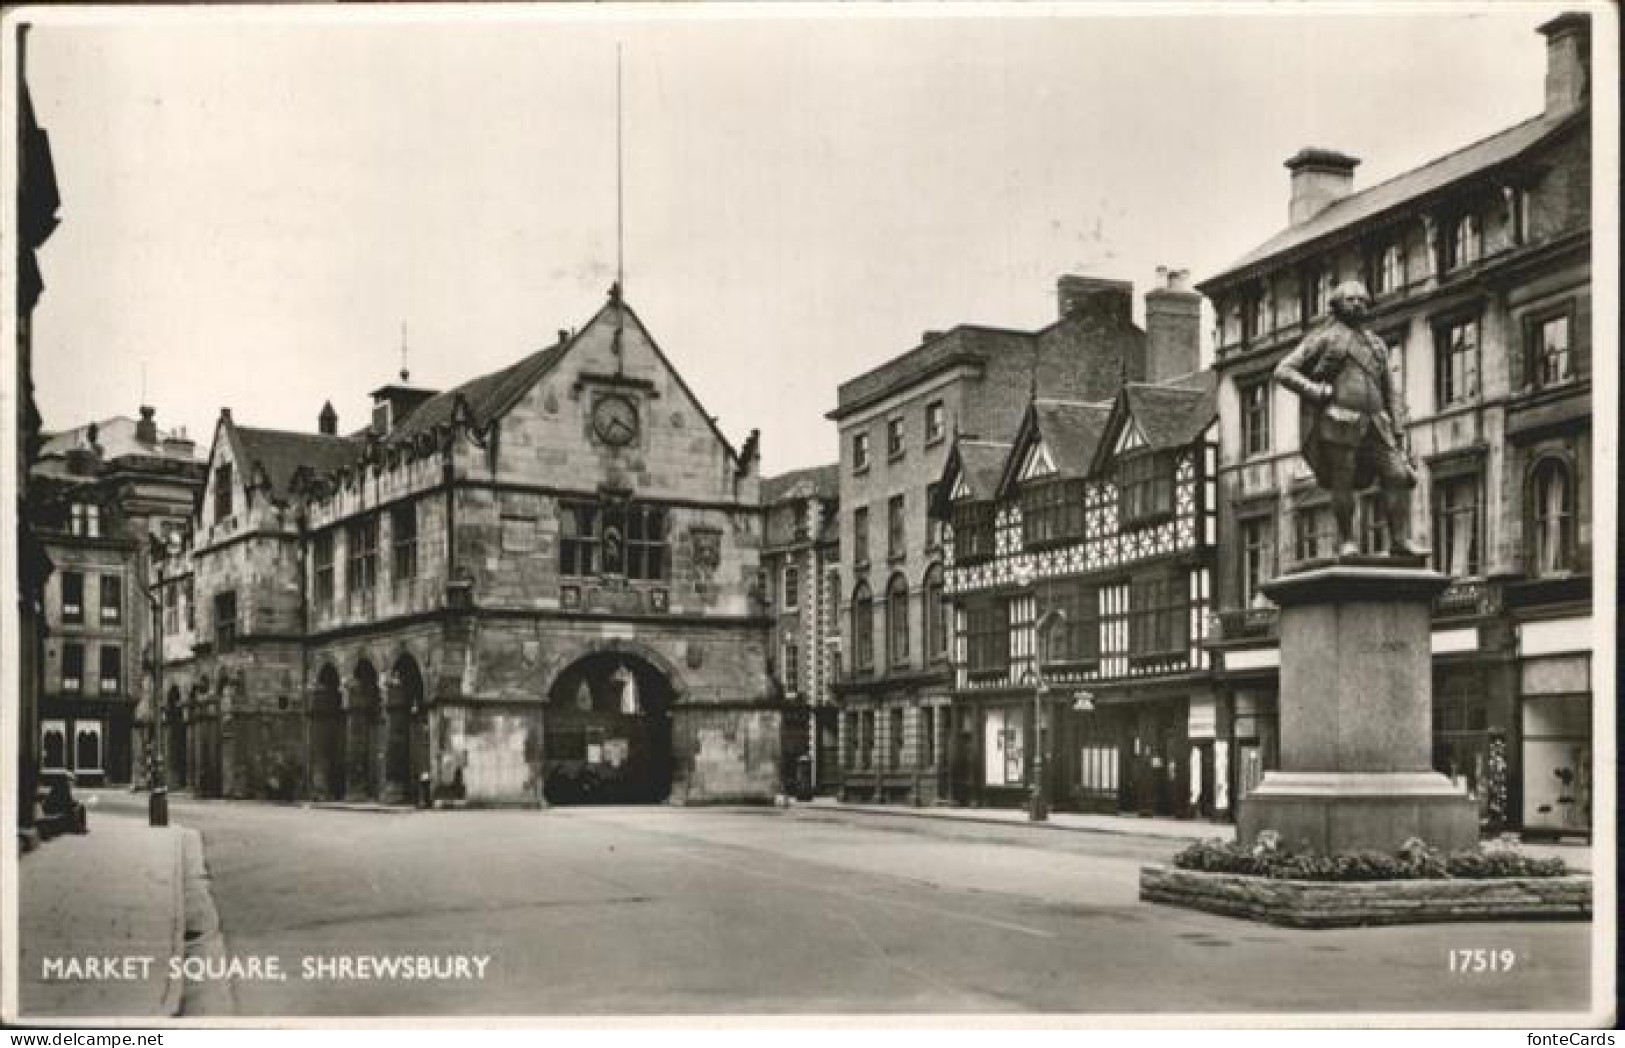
897	620
1552	514
936	615
863	629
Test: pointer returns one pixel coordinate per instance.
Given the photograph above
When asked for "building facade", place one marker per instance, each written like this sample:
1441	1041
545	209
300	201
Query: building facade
1479	266
37	204
107	499
1081	555
538	587
898	424
800	560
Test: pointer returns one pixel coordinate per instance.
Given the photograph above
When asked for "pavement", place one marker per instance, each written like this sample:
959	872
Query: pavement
818	908
114	896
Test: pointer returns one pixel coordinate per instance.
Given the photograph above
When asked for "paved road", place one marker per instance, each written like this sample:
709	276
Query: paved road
705	911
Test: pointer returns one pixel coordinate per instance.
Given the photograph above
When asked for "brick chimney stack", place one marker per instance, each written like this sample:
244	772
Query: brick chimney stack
1173	326
146	431
1320	178
1568	62
1096	296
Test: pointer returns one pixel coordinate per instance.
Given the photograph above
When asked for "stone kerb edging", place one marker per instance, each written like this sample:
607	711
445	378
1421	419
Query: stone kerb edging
1339	904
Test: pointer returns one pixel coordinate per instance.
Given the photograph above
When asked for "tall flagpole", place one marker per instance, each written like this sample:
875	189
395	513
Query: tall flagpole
620	195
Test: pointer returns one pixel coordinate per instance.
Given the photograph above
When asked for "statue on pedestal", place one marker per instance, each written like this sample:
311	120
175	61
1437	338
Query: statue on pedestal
1353	419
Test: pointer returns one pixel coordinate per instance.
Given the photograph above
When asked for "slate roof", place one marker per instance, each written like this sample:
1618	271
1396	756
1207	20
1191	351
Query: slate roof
116	438
823	482
487	395
981	463
1418	182
1071	430
1172	414
281	453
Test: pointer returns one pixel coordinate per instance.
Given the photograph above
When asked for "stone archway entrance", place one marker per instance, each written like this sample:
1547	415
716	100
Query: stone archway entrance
406	742
327	770
608	733
361	778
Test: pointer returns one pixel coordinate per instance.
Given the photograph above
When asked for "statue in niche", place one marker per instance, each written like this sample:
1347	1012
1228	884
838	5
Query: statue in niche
1352	418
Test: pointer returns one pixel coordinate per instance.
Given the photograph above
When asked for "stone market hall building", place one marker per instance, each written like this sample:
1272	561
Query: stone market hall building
534	588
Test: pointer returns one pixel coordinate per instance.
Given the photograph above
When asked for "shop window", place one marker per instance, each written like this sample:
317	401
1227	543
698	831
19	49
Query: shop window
863	629
403	539
897	620
849	752
973	532
73	597
87	746
362	567
322	557
112	594
1457	354
1159	616
1051	512
1457	525
987	639
1255	416
894	738
73	668
53	745
1552	517
866	740
1074	636
1145	480
1005	761
928	736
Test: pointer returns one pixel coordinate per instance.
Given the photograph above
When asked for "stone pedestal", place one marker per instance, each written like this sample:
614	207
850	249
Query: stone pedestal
1356	713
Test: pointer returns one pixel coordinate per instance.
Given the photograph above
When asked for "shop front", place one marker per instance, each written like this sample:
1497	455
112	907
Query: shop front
1555	699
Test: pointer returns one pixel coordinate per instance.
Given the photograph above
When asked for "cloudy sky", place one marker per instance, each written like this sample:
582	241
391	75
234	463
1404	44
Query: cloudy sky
253	204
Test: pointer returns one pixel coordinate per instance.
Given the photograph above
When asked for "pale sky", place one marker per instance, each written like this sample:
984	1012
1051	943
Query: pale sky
251	209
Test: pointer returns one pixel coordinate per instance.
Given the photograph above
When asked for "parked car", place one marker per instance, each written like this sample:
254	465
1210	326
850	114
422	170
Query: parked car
59	812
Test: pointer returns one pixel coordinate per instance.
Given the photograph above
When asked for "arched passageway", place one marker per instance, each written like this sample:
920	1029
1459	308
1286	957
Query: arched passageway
406	748
327	763
608	734
362	773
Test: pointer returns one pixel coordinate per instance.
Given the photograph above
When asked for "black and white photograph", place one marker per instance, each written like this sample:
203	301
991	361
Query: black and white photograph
1050	515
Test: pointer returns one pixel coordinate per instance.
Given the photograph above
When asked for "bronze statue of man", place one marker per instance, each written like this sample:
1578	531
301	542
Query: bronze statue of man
1352	418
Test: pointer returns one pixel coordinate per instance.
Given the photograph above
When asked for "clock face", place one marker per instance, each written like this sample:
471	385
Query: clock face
615	421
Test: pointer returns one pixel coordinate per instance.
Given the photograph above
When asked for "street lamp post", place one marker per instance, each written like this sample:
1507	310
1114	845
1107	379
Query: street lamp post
1038	804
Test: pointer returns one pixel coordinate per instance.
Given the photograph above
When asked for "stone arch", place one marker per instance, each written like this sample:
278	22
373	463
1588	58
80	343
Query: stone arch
608	730
363	707
327	734
613	645
406	727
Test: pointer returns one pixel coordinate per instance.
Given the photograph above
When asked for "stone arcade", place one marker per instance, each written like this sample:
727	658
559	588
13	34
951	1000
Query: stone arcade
534	588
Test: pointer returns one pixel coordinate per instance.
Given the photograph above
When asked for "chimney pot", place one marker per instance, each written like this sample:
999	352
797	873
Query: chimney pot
1173	326
146	431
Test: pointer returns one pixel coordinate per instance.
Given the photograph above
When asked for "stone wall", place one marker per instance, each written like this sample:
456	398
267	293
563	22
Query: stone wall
1313	904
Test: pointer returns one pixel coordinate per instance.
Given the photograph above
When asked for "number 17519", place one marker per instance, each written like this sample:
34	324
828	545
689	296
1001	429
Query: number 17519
1475	962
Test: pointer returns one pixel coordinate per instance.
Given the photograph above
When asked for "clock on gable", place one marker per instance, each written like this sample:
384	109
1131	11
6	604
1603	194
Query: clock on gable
615	420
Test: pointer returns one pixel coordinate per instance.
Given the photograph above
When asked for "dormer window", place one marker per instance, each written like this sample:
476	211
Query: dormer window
1145	482
1051	512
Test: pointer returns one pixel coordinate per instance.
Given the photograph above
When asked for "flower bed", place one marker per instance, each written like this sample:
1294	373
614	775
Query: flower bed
1414	861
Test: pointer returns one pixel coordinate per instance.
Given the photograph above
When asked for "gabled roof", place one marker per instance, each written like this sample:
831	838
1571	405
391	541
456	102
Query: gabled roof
116	438
821	482
281	453
1169	414
1355	208
487	396
1069	430
978	463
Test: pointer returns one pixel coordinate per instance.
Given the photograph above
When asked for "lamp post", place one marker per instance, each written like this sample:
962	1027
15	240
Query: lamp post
1038	809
